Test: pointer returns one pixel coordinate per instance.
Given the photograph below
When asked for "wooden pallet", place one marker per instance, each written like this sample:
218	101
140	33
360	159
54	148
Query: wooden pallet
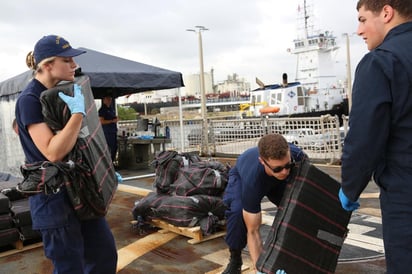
20	246
194	233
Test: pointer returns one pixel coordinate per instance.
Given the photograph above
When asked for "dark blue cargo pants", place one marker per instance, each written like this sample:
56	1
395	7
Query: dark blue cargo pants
74	246
236	232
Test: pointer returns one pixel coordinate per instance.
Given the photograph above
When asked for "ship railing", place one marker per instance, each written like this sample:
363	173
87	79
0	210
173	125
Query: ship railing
322	140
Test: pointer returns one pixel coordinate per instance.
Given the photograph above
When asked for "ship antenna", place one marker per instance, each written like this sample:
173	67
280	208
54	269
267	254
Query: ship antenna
306	18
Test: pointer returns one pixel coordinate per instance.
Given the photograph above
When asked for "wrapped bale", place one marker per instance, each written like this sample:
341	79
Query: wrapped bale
187	193
4	204
92	183
201	178
189	211
27	233
20	211
143	207
167	165
310	226
6	221
9	236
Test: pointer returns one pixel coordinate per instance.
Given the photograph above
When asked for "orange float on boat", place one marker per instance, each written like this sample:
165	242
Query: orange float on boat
269	110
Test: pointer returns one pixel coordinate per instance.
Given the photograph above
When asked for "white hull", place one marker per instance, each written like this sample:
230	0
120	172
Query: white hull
316	88
294	99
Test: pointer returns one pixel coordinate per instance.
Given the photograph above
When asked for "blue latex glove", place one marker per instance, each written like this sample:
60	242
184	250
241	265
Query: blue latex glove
347	204
75	103
119	177
279	271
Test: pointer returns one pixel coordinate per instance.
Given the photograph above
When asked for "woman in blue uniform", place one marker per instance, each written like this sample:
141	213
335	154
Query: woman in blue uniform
260	171
72	245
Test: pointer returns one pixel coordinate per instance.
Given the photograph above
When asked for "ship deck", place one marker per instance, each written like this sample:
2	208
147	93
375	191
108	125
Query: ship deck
158	251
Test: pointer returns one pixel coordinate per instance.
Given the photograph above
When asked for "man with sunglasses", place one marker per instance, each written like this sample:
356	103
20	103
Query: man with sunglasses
260	171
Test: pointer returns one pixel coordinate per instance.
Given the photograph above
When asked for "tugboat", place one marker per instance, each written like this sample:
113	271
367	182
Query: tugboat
316	90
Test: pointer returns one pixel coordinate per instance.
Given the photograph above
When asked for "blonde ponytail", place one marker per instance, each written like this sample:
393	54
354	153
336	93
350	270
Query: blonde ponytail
30	62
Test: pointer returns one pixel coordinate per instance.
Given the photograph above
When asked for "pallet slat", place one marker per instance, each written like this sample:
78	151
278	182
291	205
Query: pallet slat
20	246
194	233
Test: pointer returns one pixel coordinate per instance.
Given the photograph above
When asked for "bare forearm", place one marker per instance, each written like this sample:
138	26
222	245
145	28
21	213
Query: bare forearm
254	244
254	241
63	142
55	147
106	122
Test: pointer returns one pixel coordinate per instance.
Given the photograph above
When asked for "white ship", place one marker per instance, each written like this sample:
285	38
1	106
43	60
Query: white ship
315	89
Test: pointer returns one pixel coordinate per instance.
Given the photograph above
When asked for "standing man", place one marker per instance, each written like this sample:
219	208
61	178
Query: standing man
108	119
260	171
379	141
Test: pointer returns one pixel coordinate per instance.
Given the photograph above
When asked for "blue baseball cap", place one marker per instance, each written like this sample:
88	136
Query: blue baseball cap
53	45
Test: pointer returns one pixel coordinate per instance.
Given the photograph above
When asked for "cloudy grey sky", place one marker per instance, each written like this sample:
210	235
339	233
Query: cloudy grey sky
247	37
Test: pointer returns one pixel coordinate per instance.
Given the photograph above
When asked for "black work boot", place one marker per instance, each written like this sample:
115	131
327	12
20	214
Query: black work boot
235	263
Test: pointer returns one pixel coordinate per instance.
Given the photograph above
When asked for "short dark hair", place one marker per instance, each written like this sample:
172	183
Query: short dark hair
403	7
273	146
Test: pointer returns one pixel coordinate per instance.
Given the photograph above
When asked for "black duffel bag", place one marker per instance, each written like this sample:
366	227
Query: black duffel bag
40	177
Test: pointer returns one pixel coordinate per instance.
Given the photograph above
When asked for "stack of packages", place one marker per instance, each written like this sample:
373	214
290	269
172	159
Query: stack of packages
15	217
20	210
8	233
188	192
310	225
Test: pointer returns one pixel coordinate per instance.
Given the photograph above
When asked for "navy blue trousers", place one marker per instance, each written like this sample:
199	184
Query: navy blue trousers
236	232
111	139
397	232
73	246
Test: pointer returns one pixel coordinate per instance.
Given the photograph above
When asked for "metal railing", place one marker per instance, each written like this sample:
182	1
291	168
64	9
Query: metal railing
320	137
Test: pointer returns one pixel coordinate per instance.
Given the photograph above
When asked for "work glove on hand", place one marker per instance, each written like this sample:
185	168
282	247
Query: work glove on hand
75	103
119	177
279	271
347	204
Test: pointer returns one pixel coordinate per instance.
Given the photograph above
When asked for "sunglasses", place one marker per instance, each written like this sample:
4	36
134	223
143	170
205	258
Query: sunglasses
278	169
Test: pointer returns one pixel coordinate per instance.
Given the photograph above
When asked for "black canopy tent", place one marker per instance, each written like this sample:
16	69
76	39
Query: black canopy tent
10	88
109	75
118	76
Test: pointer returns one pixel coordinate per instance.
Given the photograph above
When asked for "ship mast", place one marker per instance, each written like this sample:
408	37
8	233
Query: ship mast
306	17
315	65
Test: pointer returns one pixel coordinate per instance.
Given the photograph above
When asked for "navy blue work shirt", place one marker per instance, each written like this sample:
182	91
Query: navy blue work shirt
108	113
256	184
29	111
379	140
